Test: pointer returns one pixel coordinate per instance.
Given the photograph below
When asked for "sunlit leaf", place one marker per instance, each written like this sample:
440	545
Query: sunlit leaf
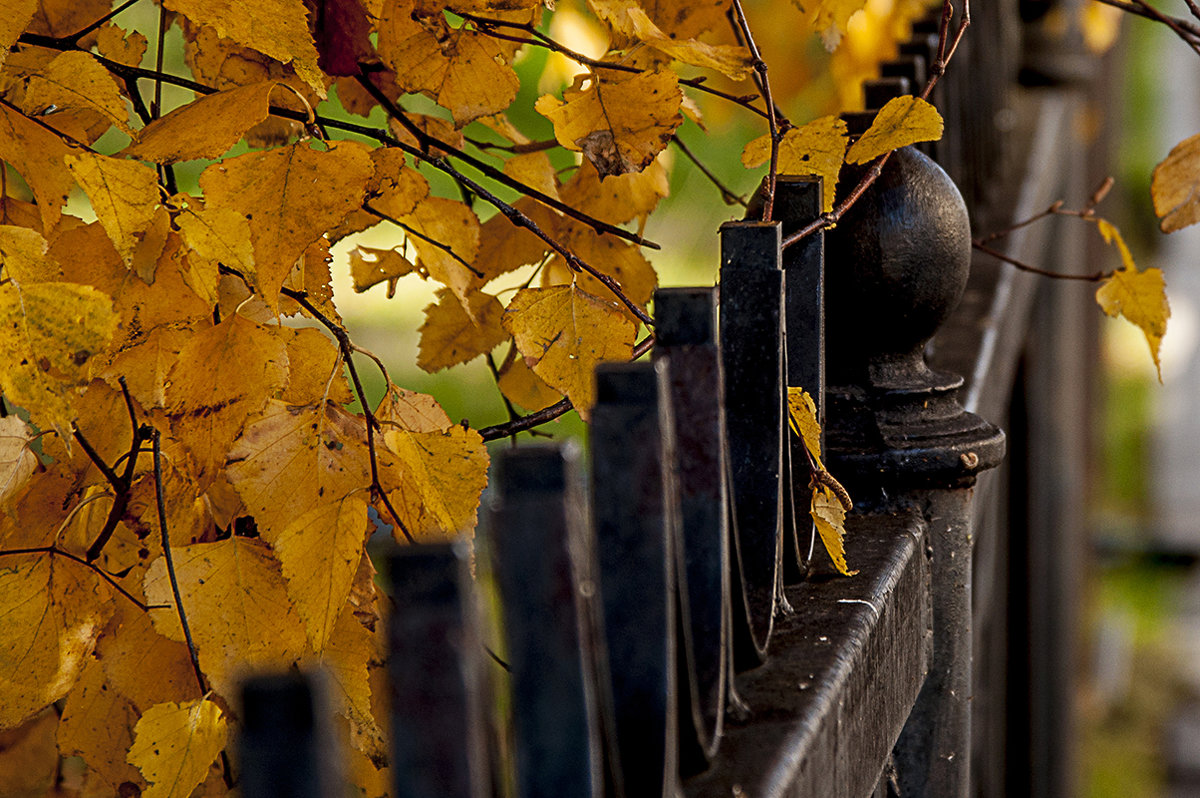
205	128
39	156
14	16
802	418
630	19
1139	296
830	519
814	149
902	121
97	725
450	336
124	195
434	480
173	745
1175	186
76	81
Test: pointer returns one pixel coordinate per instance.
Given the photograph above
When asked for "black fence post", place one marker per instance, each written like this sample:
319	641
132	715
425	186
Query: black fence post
542	566
438	745
751	335
897	435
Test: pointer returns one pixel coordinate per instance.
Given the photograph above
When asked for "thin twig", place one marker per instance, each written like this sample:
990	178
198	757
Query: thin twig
79	34
75	558
764	85
1025	267
727	196
1172	23
161	502
1188	27
427	239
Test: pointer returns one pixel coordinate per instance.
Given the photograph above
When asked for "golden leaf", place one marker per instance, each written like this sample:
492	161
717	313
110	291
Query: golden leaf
146	362
233	592
434	480
619	259
829	18
294	459
38	155
224	374
464	71
534	169
505	247
218	234
455	228
49	335
319	552
97	725
115	44
23	256
369	267
416	412
15	16
629	19
620	125
1175	186
563	332
277	28
802	418
1139	296
617	198
204	128
28	755
450	336
345	656
17	460
51	612
830	518
290	196
76	81
131	648
814	149
315	369
124	195
522	387
687	19
902	121
173	745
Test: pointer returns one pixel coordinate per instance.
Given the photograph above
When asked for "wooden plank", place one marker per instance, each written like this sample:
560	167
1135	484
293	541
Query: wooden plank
842	677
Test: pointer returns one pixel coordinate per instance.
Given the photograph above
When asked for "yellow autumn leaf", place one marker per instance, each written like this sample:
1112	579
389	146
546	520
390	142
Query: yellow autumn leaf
617	198
39	156
524	388
125	48
416	412
621	260
17	460
369	267
29	760
450	336
619	124
223	375
629	19
830	519
1139	296
451	242
97	725
290	196
23	256
802	418
345	657
232	591
829	18
1175	186
139	649
563	332
173	745
319	552
204	128
219	234
124	195
49	334
277	28
315	369
465	72
291	460
51	612
14	17
76	81
433	480
813	149
902	121
534	169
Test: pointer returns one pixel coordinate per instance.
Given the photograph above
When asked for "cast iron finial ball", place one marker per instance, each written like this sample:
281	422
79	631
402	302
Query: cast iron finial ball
896	265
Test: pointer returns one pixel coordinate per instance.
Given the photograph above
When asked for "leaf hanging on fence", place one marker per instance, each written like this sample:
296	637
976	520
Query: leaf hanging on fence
903	121
619	124
830	517
563	333
802	418
814	149
205	128
1139	296
1175	186
173	745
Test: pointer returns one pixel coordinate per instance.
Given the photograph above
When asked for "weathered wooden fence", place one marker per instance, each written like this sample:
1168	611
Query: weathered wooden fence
666	630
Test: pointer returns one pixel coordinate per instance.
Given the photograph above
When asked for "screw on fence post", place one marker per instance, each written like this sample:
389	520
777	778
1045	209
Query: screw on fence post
635	516
438	746
541	565
799	201
752	325
897	433
685	334
287	748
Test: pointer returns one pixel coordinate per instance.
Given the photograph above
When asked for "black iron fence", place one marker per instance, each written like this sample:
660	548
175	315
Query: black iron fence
668	629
